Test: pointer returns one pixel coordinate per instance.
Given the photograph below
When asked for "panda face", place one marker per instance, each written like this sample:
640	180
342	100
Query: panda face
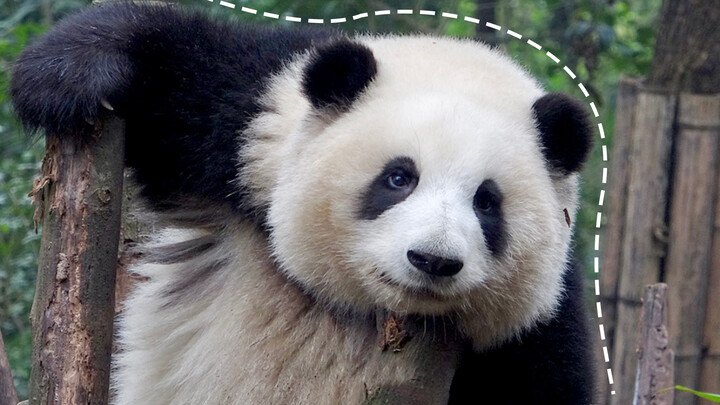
424	199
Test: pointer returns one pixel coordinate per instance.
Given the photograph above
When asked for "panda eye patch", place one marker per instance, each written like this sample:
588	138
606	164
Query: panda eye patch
487	204
392	185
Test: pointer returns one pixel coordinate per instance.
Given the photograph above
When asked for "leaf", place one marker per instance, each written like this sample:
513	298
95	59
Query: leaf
706	395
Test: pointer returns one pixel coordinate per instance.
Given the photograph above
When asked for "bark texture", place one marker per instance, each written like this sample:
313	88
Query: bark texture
80	193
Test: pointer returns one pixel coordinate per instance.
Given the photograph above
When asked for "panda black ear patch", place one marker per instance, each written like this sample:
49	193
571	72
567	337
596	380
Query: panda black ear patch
338	73
565	131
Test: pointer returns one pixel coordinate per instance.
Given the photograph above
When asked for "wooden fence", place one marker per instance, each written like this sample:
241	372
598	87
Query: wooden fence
664	226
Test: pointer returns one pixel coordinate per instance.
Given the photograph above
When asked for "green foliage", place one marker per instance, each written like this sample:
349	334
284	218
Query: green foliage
20	22
19	243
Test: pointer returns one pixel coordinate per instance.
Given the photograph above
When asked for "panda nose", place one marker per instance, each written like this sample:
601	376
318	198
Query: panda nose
434	265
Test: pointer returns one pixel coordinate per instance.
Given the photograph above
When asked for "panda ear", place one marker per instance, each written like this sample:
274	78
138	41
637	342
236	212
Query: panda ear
337	74
565	131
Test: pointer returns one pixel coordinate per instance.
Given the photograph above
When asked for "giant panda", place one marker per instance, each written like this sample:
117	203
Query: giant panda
342	213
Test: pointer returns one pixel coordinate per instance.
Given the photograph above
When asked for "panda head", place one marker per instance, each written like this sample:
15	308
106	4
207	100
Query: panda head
420	175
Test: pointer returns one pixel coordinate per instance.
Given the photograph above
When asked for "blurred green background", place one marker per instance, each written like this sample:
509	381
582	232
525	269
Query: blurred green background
598	39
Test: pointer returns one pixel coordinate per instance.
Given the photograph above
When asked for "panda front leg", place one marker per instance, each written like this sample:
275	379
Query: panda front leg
186	85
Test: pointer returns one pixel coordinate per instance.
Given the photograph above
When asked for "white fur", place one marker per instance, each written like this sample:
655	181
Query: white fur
249	334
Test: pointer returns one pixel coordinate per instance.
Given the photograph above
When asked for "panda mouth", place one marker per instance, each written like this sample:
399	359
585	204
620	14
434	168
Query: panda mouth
423	293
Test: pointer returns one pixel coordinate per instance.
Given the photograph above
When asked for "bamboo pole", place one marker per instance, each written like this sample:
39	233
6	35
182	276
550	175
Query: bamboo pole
691	229
615	201
7	386
710	361
655	358
72	313
644	243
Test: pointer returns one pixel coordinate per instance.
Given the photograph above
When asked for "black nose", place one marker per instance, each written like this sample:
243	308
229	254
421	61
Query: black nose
434	265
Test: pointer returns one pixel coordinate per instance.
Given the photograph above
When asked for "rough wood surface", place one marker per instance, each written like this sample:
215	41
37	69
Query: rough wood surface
686	48
691	229
710	362
72	314
7	386
655	358
644	244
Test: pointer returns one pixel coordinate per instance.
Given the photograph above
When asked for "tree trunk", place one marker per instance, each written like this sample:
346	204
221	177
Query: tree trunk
7	386
485	12
687	50
72	314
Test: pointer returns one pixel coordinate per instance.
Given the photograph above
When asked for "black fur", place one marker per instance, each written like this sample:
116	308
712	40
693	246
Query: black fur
338	73
186	85
379	197
487	204
565	131
551	364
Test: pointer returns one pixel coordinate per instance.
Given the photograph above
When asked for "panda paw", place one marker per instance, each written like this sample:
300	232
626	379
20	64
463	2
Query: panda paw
76	74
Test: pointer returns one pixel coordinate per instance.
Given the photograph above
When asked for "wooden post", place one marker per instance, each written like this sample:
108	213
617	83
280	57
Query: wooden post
645	238
72	314
710	367
691	231
615	201
7	386
655	358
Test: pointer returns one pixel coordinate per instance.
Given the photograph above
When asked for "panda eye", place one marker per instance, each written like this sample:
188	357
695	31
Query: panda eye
398	180
483	204
488	198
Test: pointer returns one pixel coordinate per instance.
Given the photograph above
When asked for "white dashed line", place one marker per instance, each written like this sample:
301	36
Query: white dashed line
248	10
534	44
338	20
584	90
514	34
271	15
472	20
553	57
359	16
316	21
226	4
493	26
569	72
382	12
427	12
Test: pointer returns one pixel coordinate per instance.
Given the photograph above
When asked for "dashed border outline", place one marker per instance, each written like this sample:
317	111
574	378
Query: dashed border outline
570	73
